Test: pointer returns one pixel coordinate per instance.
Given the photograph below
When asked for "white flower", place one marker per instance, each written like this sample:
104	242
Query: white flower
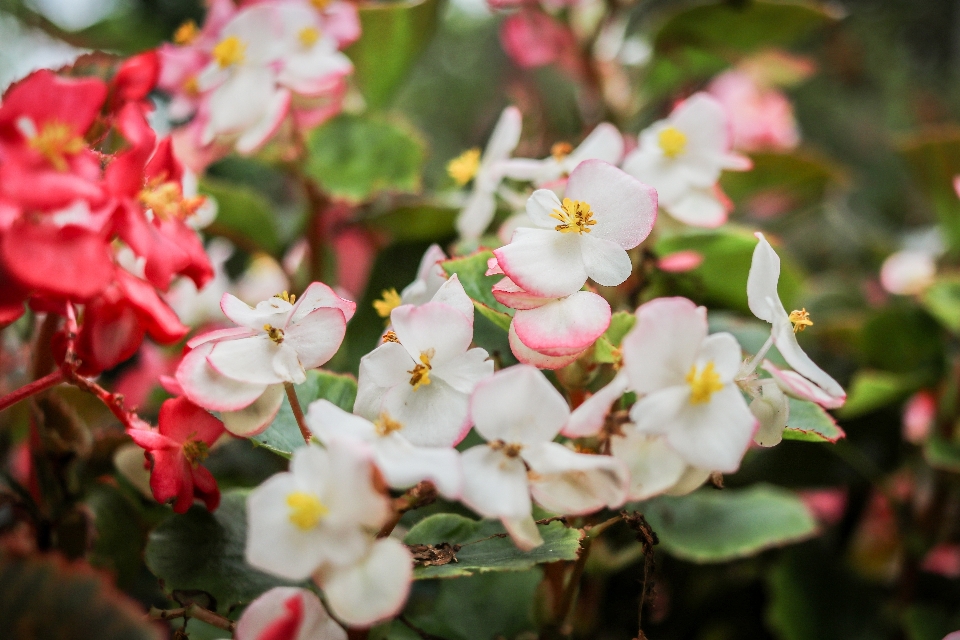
430	277
298	610
686	383
519	413
765	303
682	157
241	371
309	60
605	212
402	464
320	519
908	272
771	409
423	373
486	171
604	143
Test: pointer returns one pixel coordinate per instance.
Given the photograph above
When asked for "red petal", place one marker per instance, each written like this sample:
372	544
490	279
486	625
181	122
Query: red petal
45	97
287	625
205	488
159	320
181	420
136	77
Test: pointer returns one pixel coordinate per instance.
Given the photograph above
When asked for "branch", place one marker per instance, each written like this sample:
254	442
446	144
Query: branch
27	390
415	497
194	611
297	411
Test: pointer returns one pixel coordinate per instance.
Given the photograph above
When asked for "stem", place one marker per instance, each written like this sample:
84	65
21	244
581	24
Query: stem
752	365
573	587
27	390
415	497
194	611
297	411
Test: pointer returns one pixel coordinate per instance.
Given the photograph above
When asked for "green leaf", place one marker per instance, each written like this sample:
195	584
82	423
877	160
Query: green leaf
872	390
942	300
605	352
121	534
498	318
721	280
470	270
904	339
942	454
480	552
925	622
620	324
204	551
244	216
809	422
283	435
800	180
48	597
415	224
393	36
354	157
717	526
933	158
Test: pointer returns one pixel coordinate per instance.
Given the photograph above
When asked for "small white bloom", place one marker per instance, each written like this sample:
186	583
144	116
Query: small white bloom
604	143
908	272
430	277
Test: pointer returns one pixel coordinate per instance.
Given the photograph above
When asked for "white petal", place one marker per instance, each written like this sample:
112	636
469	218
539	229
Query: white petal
604	143
654	466
317	296
625	208
526	355
565	326
494	485
371	590
433	327
588	419
451	293
316	337
541	204
523	531
326	420
771	410
384	367
248	359
714	434
347	483
650	166
691	480
477	213
762	281
435	415
789	348
430	277
204	386
314	621
544	263
260	131
257	416
505	136
605	262
465	371
529	170
567	482
518	405
797	386
273	311
404	465
723	350
908	272
699	207
508	293
660	349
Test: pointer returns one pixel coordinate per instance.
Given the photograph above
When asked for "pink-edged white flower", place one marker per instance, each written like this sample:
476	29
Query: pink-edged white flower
683	155
770	407
288	613
908	272
320	519
764	302
519	413
486	171
430	277
241	371
604	213
685	380
603	143
402	464
423	373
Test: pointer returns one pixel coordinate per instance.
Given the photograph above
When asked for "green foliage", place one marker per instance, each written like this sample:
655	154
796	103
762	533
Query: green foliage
718	526
809	422
283	435
470	270
393	35
354	157
415	223
872	390
620	324
933	158
244	216
942	454
203	551
801	179
485	546
902	339
942	300
121	533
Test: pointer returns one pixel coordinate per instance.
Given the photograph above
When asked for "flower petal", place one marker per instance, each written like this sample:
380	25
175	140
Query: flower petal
494	485
312	622
540	205
384	367
654	466
508	293
373	589
518	405
404	465
567	482
464	372
625	208
435	327
564	326
257	416
762	296
317	296
248	359
182	420
797	386
326	420
789	348
660	349
526	355
451	293
605	262
316	337
435	415
272	311
544	262
588	419
208	388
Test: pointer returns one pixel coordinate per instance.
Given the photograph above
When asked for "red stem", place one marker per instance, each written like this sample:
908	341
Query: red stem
27	390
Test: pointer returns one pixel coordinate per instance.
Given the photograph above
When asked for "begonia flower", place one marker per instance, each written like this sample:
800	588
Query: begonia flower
685	383
682	157
764	302
423	373
761	116
319	519
430	277
919	415
402	464
519	413
486	171
604	213
241	371
176	450
908	272
603	143
288	613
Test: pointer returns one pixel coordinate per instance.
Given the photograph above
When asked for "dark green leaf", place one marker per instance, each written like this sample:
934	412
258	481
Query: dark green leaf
620	324
903	339
871	390
800	179
415	224
480	552
717	526
353	157
933	158
809	422
942	454
924	622
243	216
470	270
942	300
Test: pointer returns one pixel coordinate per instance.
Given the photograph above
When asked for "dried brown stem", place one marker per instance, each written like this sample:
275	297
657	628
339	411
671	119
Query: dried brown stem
194	611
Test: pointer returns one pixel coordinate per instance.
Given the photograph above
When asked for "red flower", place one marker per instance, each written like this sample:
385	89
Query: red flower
177	450
135	78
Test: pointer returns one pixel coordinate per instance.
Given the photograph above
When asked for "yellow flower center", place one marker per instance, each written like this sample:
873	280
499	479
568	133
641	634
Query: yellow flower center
464	167
575	216
800	320
166	200
275	334
191	87
229	51
320	5
390	336
561	150
306	510
389	302
420	374
672	141
703	383
286	297
510	449
386	425
195	451
186	33
55	141
309	36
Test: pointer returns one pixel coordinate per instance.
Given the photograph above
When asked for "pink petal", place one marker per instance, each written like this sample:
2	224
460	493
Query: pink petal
625	208
565	326
526	355
204	386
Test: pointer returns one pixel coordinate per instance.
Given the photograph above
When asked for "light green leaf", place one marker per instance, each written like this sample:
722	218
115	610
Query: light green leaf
942	454
415	224
470	270
809	422
354	157
244	216
797	179
620	324
605	352
717	526
942	300
933	158
283	435
871	390
480	552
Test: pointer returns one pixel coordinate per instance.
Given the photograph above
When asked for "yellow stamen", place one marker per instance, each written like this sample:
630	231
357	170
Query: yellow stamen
800	320
195	451
575	216
561	150
190	86
420	374
309	36
389	302
672	141
166	201
286	297
275	334
320	5
306	510
386	425
703	384
390	336
511	450
229	51
186	33
464	167
55	141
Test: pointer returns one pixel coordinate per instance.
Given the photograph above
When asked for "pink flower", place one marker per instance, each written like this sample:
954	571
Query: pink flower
533	39
918	416
176	451
761	117
288	613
